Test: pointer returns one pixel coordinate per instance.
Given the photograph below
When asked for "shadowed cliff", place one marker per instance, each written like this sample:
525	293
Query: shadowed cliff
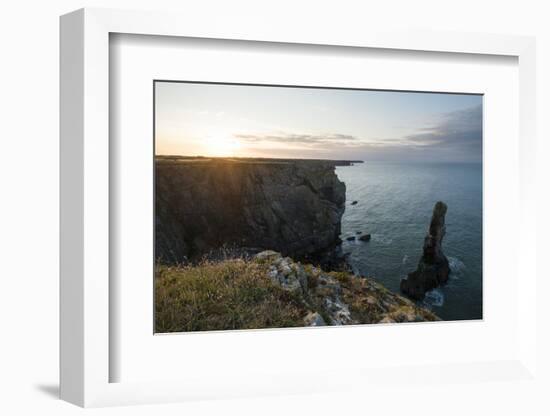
202	205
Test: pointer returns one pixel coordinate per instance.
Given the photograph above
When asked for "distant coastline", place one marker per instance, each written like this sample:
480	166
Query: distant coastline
230	159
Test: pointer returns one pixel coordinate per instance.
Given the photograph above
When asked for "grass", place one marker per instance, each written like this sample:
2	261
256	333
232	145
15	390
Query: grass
238	294
233	294
370	302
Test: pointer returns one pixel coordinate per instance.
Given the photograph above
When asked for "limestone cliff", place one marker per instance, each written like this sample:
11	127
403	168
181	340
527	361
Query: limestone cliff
292	206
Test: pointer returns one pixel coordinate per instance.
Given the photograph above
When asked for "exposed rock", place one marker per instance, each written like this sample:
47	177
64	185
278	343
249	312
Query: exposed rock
314	319
354	203
268	255
352	238
433	267
284	272
339	298
339	311
204	205
365	237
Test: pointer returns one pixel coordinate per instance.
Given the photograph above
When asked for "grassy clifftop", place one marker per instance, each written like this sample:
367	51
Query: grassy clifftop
272	291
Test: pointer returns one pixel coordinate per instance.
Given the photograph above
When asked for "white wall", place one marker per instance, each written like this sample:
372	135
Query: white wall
29	184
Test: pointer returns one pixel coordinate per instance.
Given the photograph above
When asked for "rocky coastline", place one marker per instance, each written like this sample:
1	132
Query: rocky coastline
270	228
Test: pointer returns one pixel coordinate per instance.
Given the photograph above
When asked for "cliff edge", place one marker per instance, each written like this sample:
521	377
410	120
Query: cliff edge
272	291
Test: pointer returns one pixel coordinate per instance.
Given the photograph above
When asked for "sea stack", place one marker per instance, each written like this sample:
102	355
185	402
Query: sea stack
433	267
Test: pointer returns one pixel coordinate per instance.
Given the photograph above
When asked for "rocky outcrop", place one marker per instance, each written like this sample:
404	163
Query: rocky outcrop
433	267
339	298
212	205
365	237
314	319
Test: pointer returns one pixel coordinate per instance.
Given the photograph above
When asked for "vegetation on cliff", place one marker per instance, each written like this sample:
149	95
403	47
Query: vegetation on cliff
271	291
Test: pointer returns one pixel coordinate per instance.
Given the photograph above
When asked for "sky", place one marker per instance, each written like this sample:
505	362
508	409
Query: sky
195	119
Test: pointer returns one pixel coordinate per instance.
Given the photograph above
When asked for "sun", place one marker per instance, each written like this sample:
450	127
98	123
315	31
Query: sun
222	145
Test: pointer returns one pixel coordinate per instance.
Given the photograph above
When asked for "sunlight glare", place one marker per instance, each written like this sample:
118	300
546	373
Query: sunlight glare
222	146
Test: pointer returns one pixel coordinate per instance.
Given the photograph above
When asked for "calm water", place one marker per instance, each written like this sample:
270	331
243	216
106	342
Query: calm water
395	202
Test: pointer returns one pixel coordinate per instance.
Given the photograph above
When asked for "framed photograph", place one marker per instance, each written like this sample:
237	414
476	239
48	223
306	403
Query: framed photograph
274	216
236	207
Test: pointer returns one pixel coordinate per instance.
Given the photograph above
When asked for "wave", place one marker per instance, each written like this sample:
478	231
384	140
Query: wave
457	267
434	297
382	239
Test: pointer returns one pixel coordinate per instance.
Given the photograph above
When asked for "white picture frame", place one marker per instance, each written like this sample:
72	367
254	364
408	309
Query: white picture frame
85	212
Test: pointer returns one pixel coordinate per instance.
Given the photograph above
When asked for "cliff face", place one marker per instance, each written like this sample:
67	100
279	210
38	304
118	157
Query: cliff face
294	207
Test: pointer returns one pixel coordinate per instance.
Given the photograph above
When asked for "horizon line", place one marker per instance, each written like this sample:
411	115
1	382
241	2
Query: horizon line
480	162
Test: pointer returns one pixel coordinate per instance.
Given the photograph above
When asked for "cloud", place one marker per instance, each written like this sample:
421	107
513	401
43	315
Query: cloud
301	139
454	137
459	131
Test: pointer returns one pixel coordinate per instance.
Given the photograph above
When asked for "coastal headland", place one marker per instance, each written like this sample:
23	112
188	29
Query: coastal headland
255	243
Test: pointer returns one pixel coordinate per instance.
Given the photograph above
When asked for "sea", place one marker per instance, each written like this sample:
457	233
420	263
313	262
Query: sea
394	205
